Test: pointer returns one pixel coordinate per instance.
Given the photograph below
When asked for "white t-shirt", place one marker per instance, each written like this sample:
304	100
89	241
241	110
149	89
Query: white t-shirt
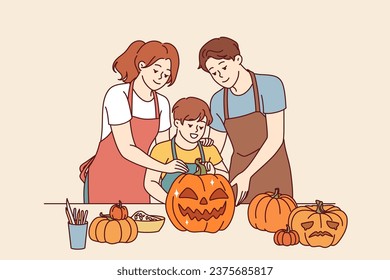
116	109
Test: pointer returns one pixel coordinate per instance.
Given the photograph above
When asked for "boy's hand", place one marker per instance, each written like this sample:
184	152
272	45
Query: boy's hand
209	167
206	142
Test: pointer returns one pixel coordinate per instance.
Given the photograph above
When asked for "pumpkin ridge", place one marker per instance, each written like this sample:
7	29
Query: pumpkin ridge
257	205
120	230
341	219
266	209
172	207
96	229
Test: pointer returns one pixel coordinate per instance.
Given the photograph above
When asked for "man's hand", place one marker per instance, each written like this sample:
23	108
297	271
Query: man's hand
242	181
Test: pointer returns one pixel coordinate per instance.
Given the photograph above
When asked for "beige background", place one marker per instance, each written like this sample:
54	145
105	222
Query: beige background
333	58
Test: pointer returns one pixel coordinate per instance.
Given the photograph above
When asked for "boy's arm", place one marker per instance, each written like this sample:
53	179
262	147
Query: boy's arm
152	185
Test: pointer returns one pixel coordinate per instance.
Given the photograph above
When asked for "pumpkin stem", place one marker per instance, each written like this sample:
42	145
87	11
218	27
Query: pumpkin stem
105	216
320	207
288	228
276	194
120	204
201	168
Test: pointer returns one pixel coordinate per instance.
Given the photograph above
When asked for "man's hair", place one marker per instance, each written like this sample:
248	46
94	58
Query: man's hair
191	108
218	48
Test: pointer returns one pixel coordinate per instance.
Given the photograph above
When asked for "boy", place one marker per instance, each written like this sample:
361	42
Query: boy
191	115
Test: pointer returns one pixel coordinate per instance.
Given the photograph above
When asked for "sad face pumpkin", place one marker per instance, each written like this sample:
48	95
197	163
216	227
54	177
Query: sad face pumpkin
200	203
318	225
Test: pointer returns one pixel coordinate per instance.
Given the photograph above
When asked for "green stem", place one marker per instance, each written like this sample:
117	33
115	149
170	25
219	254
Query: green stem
201	168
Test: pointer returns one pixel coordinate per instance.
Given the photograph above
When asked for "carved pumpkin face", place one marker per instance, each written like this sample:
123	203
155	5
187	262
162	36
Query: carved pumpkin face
200	203
319	225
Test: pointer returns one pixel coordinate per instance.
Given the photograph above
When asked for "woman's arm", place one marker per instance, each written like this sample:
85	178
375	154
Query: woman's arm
275	130
125	143
162	136
153	187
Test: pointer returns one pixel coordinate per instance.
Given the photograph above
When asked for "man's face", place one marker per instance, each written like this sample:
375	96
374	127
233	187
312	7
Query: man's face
191	131
224	71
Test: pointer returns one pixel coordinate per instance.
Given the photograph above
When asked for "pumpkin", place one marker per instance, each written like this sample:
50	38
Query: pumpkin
319	225
270	211
286	237
200	202
114	228
118	211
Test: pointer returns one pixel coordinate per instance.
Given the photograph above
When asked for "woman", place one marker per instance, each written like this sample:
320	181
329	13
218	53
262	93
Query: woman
134	115
250	110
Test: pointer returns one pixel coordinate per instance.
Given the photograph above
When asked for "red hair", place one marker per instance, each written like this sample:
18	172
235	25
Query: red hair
127	64
218	48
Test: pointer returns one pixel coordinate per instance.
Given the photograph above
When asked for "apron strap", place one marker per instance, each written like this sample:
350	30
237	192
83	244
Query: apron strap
174	154
130	99
255	95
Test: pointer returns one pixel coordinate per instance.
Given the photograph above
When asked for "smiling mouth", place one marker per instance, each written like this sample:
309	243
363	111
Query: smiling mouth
156	82
194	135
320	234
206	215
226	80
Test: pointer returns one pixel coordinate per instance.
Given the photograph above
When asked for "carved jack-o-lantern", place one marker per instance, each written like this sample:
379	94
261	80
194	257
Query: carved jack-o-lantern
318	225
200	202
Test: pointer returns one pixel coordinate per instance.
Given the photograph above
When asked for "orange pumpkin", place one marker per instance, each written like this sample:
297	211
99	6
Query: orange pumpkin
200	202
106	229
269	211
118	211
319	225
286	237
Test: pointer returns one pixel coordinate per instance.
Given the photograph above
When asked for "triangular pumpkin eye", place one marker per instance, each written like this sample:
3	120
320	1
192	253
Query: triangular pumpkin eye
332	225
218	194
307	225
188	193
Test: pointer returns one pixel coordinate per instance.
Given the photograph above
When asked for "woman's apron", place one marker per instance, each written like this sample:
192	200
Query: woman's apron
247	134
111	177
169	178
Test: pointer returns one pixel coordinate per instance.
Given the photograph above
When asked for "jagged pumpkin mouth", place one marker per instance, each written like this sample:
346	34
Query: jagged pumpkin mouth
320	234
206	215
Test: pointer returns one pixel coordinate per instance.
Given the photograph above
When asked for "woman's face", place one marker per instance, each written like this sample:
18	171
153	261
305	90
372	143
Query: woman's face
156	75
224	71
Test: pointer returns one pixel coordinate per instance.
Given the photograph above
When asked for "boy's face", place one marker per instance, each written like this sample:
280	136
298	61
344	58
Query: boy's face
191	131
224	71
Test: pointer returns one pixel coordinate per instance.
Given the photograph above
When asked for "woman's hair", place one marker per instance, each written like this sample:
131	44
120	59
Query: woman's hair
191	108
127	64
218	48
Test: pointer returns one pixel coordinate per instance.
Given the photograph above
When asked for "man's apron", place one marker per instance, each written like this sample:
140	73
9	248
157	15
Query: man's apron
111	177
169	178
247	134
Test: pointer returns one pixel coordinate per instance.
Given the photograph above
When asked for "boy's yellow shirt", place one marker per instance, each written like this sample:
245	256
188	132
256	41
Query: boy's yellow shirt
163	153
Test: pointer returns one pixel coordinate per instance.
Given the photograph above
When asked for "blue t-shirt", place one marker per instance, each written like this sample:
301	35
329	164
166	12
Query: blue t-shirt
271	96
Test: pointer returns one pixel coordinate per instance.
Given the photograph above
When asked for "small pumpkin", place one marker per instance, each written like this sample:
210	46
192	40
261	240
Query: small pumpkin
319	225
286	237
118	211
112	229
200	202
270	211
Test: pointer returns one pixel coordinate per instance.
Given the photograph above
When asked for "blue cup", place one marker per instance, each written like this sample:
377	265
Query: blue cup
77	235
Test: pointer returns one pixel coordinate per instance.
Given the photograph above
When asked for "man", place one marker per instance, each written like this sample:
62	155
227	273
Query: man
250	110
191	116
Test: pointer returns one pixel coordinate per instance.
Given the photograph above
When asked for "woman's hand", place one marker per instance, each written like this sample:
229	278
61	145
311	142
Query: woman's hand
242	182
176	166
206	142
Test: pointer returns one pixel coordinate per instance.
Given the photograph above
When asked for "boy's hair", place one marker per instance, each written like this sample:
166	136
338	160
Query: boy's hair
218	48
191	108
